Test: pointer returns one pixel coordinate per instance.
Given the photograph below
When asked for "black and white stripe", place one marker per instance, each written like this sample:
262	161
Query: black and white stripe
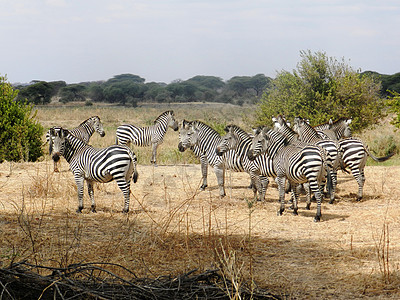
88	164
292	162
149	135
83	132
203	140
260	169
309	135
335	130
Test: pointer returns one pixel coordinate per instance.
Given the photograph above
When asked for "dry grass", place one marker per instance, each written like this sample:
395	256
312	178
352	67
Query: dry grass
173	228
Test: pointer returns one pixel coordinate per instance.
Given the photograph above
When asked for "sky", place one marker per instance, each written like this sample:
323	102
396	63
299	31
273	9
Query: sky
166	40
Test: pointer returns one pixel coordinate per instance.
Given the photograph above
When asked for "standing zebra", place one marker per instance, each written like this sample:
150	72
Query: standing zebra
84	132
294	163
146	136
260	169
353	152
309	135
203	140
116	162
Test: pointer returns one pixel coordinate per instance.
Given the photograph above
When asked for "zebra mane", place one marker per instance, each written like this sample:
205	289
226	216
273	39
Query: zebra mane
164	114
89	119
202	125
235	128
334	123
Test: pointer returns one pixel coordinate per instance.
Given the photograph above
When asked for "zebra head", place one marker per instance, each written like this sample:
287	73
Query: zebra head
58	141
258	144
228	141
188	136
171	122
97	125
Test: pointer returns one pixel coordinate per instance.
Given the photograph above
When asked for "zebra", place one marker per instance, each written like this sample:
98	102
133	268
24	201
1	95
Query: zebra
259	169
116	162
149	135
296	163
309	135
353	152
335	130
203	140
84	132
354	155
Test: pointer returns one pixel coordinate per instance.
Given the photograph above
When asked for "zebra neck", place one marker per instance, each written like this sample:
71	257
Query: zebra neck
88	128
72	146
162	125
275	148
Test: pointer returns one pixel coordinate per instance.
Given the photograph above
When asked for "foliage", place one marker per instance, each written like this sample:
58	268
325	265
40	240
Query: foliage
20	134
390	83
322	88
394	105
40	92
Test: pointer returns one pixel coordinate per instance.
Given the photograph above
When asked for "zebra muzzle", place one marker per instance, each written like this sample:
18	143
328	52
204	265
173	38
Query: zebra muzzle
56	157
180	147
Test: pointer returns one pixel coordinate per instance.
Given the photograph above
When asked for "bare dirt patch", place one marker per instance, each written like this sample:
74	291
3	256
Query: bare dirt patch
173	228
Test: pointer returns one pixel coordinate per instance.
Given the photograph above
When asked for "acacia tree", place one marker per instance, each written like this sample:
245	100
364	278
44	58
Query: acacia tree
20	133
322	88
394	106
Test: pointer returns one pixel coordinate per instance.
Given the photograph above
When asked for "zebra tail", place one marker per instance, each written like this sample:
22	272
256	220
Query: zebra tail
379	159
134	162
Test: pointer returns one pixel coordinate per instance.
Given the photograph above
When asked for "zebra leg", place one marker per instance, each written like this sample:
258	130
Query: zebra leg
220	173
264	186
281	181
91	195
154	155
333	186
125	187
306	186
295	197
317	192
79	184
204	170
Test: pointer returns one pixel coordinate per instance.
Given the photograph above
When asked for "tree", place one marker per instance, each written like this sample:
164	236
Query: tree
322	88
40	92
20	134
394	106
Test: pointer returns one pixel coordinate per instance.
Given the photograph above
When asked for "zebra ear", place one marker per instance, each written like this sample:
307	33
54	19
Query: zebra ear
349	121
52	131
63	133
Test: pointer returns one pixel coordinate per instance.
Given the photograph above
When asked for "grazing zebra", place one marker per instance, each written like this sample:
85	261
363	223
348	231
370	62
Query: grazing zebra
294	163
146	136
309	135
335	130
116	162
260	169
203	140
84	132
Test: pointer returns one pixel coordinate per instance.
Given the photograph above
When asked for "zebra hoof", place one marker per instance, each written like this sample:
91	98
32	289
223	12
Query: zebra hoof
308	206
359	198
203	187
331	202
93	209
317	218
125	210
79	210
56	171
295	213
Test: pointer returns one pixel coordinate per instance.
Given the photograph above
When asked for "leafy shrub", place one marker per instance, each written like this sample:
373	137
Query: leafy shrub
20	134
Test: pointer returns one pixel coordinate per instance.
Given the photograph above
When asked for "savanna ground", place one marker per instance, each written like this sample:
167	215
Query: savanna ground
174	228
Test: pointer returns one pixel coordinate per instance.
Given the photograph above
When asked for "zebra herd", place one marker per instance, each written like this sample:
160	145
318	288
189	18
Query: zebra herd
302	155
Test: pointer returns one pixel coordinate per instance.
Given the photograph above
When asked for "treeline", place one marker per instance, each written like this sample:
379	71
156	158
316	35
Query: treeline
128	89
390	83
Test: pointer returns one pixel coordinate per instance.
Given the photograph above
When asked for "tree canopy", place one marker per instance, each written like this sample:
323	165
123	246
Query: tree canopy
322	88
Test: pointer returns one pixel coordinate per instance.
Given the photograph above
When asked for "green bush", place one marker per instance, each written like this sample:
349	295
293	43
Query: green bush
20	133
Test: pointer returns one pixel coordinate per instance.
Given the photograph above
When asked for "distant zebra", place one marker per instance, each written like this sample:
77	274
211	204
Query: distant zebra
203	140
294	163
260	169
95	165
335	130
146	136
83	132
309	135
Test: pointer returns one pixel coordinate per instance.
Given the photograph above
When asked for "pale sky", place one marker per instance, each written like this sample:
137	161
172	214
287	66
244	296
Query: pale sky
165	40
